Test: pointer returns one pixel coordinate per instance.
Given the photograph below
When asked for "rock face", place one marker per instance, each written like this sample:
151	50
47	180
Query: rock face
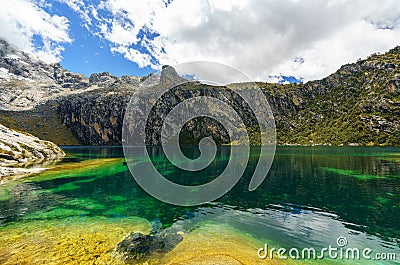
26	81
20	149
357	105
95	118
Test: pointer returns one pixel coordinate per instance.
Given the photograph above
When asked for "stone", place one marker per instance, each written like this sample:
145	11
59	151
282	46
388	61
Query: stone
137	247
18	150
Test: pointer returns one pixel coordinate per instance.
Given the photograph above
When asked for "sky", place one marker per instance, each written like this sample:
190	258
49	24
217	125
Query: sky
278	41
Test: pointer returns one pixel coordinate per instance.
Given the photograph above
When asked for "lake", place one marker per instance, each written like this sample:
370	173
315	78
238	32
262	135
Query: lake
312	197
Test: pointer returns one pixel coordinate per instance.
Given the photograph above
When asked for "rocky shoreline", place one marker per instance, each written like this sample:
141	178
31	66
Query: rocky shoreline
22	154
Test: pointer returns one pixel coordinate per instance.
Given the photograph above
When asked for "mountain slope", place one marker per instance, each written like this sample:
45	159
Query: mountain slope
357	105
31	90
25	81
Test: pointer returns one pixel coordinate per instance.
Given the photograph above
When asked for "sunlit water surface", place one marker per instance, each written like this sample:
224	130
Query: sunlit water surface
311	196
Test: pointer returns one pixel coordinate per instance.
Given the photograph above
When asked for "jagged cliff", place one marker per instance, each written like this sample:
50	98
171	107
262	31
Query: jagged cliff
31	92
25	81
359	104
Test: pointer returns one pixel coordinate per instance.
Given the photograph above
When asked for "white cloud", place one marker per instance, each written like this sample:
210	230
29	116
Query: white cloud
133	55
128	18
263	38
21	20
79	7
260	37
121	35
327	55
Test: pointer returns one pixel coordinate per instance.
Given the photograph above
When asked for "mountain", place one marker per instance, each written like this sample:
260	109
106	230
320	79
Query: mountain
25	81
357	105
32	90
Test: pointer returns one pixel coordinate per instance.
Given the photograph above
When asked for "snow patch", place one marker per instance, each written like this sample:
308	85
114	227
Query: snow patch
12	56
4	74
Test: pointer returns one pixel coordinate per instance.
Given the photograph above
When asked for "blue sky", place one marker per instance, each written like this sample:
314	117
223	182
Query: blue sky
275	41
88	53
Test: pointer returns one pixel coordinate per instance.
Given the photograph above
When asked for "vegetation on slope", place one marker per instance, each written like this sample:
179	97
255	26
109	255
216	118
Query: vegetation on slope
359	104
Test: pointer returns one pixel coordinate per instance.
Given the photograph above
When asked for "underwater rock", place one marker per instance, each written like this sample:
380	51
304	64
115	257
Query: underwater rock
137	246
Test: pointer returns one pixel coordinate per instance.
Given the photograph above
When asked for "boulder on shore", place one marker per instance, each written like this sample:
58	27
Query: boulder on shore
18	151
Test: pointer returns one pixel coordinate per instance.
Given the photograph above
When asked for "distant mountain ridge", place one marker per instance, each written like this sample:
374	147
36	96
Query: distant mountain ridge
357	105
26	82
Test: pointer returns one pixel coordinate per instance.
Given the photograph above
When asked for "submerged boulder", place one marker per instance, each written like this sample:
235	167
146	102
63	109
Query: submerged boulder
137	246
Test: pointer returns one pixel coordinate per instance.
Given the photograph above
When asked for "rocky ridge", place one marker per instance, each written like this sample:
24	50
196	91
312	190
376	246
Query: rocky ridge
27	82
357	105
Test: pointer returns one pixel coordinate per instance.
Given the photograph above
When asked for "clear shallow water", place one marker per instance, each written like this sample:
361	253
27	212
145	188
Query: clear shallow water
311	196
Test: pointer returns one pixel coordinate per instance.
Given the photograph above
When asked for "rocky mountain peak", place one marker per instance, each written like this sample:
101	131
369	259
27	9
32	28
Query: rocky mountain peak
26	82
16	64
104	78
170	77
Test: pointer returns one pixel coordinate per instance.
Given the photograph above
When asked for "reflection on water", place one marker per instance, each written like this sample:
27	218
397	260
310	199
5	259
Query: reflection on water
310	197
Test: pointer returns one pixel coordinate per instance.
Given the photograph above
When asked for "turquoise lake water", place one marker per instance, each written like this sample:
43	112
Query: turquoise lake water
311	196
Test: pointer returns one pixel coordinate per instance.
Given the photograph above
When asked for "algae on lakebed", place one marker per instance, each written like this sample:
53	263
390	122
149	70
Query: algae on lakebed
214	243
353	173
92	241
97	168
67	241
